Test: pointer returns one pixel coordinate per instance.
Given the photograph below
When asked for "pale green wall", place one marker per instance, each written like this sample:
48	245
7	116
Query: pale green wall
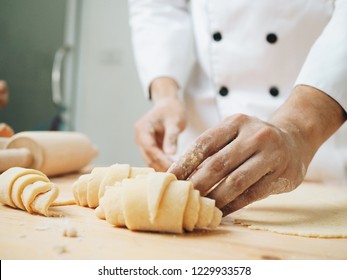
30	33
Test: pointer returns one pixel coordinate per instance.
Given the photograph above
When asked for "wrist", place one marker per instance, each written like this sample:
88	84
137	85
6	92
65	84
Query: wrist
164	88
311	116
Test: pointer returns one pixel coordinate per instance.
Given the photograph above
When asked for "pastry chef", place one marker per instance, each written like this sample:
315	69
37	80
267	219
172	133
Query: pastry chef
252	95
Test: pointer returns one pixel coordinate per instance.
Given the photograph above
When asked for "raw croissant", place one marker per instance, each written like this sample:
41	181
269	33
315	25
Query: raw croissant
157	202
89	188
27	189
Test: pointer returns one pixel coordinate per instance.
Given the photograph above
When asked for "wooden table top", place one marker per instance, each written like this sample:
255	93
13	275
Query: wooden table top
25	236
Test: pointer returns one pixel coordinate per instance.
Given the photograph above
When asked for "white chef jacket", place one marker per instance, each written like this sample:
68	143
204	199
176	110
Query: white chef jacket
248	56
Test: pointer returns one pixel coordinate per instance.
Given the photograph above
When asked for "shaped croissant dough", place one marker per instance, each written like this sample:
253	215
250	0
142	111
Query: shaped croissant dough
157	202
142	199
89	188
27	189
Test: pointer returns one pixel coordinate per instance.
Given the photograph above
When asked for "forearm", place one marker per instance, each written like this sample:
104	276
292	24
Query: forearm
325	66
311	116
162	39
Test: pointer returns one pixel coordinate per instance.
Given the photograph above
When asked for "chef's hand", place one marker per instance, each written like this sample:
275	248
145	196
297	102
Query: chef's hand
246	159
3	94
156	132
5	130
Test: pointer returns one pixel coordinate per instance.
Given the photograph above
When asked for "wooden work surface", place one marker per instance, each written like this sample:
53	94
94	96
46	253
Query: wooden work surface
25	236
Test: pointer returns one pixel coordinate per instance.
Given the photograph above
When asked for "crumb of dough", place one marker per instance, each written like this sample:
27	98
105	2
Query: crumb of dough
70	232
56	214
60	249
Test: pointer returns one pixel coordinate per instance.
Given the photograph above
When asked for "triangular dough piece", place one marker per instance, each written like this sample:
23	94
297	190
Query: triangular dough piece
156	186
135	206
172	206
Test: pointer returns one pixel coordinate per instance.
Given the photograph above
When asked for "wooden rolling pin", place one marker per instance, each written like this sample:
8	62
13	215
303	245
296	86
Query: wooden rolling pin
52	152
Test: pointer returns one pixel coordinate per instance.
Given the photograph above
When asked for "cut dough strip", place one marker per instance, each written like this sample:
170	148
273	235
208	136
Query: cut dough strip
27	189
157	202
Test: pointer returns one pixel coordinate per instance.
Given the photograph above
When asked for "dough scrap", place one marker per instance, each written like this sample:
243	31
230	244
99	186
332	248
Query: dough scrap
89	188
157	202
310	211
70	232
27	189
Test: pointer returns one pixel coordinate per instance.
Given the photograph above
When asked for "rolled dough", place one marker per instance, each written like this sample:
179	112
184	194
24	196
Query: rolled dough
141	199
159	202
90	188
27	189
311	210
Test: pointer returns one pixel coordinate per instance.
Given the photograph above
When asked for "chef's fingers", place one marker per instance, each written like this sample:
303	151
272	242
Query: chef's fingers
170	138
208	143
160	164
239	180
151	150
222	163
148	135
268	185
5	130
156	158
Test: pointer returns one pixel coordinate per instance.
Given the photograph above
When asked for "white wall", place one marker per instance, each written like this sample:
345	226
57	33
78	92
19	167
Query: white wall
109	97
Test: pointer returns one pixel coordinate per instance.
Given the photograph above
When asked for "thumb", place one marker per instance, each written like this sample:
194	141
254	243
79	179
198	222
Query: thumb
170	139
